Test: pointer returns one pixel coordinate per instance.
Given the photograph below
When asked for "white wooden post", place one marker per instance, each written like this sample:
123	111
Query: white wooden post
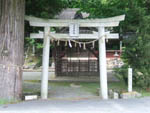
129	79
33	50
45	63
120	46
102	64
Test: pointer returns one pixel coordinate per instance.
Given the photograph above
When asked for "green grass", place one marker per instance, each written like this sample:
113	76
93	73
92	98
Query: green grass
65	84
93	87
90	87
123	88
4	101
142	91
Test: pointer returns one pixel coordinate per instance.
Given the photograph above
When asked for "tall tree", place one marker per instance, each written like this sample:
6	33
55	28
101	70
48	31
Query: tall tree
11	48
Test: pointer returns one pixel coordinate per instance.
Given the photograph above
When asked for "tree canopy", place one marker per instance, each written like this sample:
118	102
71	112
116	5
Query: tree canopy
44	8
133	9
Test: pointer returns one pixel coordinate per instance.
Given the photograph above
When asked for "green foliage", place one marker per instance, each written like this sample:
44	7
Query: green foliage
137	55
122	74
39	45
133	9
44	8
30	42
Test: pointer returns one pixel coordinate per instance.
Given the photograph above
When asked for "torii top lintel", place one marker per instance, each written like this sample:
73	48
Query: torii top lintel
105	22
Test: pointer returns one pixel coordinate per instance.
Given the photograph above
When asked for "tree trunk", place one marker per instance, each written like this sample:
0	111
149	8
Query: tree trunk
11	48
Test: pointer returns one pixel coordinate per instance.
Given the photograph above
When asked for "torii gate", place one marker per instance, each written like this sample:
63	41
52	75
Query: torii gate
74	25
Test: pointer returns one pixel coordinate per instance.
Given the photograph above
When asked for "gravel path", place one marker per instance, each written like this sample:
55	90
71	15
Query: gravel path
60	92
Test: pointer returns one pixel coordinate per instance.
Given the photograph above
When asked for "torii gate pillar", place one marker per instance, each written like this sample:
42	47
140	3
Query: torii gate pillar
45	63
102	64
